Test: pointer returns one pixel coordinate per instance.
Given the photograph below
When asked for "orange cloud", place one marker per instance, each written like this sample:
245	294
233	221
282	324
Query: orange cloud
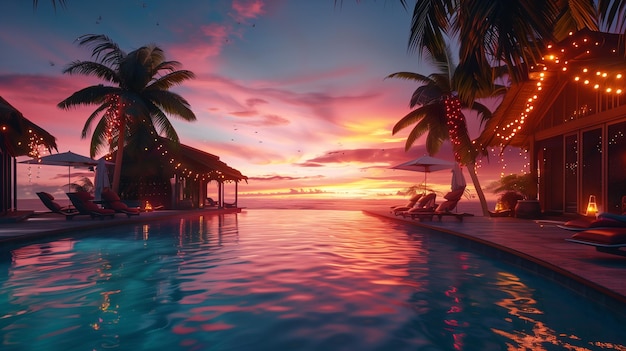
390	156
282	178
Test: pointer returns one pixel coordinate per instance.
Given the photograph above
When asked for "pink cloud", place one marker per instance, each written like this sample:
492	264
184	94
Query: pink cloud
318	105
247	9
254	102
282	178
390	156
244	113
310	164
261	121
215	37
273	120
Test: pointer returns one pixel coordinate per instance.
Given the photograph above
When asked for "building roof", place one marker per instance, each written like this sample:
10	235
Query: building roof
206	164
594	58
164	155
20	136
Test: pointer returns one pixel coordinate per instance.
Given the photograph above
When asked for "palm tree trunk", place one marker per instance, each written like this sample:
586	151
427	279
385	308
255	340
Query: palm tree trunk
117	172
471	169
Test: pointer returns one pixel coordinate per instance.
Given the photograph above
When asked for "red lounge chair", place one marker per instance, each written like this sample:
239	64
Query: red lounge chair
604	220
444	209
82	200
111	200
607	240
399	208
55	207
425	204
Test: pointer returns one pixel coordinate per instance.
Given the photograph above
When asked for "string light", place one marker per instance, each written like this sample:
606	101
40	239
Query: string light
610	82
457	127
112	117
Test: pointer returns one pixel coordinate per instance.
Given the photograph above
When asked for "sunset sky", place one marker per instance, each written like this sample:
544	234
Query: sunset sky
291	93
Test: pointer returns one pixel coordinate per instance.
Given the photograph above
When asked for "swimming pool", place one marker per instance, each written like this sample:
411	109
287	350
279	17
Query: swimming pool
284	280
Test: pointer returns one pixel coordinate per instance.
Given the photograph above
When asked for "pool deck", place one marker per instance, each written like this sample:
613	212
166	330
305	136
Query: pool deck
29	225
539	246
536	245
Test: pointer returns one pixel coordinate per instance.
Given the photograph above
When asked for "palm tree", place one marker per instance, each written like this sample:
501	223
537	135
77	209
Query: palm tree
137	103
438	114
512	32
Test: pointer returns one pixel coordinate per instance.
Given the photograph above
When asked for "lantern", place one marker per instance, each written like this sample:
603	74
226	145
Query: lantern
592	207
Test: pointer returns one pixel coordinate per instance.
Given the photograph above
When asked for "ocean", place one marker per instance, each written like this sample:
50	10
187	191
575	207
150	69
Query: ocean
301	203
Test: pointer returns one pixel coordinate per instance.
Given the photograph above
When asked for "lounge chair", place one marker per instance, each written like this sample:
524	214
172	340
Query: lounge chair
83	203
211	202
607	240
603	220
445	208
399	208
425	204
111	200
54	207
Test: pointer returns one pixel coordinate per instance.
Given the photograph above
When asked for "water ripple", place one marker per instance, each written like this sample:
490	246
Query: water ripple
306	280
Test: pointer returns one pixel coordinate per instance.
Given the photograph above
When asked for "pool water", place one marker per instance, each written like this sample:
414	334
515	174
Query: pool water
284	280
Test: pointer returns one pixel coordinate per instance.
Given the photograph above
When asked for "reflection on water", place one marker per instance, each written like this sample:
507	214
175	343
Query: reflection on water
283	280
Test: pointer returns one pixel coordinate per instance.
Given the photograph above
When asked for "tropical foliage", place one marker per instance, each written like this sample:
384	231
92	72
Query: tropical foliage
438	113
136	103
523	184
83	184
512	32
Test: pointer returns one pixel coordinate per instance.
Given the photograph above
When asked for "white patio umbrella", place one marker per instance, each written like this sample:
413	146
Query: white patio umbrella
101	180
425	164
458	180
68	159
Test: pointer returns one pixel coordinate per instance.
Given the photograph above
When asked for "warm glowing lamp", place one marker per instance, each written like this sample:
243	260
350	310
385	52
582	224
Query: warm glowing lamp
592	207
499	206
148	206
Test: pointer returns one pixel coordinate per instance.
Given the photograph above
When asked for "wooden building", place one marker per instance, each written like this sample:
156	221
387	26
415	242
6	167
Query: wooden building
18	137
176	176
571	117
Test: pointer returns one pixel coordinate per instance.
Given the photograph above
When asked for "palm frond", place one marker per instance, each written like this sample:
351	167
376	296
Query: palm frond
170	66
54	3
426	94
90	68
612	14
95	114
410	76
428	25
484	113
418	130
515	32
444	62
93	95
171	79
437	134
410	118
136	73
155	58
164	126
171	103
578	14
99	138
103	48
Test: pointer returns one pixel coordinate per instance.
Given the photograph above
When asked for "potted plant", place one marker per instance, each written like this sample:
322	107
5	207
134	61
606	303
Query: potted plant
505	207
520	192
